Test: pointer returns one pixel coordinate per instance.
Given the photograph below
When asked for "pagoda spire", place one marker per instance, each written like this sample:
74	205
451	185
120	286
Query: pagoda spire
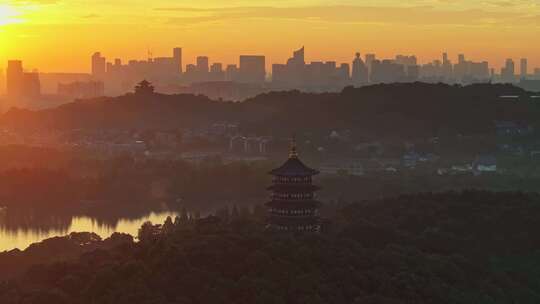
293	153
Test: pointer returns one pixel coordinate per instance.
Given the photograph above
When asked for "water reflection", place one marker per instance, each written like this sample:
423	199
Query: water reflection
19	230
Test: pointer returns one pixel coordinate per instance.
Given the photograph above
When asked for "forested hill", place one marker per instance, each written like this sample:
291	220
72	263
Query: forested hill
396	109
459	248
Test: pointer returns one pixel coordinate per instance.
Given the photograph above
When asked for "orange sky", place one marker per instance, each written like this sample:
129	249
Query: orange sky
60	35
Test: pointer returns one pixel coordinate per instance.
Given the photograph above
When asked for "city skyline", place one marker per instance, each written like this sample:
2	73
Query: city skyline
168	74
57	35
236	59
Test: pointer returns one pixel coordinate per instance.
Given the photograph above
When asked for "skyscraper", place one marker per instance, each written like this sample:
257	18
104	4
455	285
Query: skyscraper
252	69
2	82
298	57
360	74
21	84
447	69
293	73
98	66
231	72
216	72
387	71
508	72
177	55
369	61
14	78
202	64
523	68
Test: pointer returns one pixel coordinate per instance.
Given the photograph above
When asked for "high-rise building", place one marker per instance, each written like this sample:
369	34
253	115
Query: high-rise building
479	71
447	69
252	69
31	85
2	82
216	72
461	69
292	74
216	68
523	68
406	60
99	65
298	57
14	78
360	73
343	75
413	73
369	61
202	64
387	71
508	72
21	84
231	72
177	55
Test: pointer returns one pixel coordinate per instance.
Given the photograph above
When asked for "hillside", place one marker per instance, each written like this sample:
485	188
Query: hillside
381	110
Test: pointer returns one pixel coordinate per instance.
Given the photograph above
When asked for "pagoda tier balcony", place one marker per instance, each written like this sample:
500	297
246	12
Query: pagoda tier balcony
293	188
294	222
313	228
292	215
293	205
292	197
290	180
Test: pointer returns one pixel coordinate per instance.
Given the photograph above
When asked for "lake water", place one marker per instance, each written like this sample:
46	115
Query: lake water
22	237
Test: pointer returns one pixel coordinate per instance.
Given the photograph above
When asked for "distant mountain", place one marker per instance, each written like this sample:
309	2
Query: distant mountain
416	109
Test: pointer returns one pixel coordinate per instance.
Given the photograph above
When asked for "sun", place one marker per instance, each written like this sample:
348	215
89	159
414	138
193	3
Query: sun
8	15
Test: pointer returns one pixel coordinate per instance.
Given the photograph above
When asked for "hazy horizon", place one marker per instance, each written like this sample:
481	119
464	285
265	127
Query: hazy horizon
60	36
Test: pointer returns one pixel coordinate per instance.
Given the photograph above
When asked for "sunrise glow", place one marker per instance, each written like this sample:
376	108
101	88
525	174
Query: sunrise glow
488	30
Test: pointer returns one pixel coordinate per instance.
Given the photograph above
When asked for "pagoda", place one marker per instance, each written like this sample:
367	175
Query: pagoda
293	206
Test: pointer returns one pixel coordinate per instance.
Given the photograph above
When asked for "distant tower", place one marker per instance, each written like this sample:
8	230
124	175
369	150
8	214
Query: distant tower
14	78
523	70
298	56
293	206
98	66
508	71
369	62
177	55
202	64
360	73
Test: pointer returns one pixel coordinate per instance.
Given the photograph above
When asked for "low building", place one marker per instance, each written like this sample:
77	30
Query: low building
344	166
485	164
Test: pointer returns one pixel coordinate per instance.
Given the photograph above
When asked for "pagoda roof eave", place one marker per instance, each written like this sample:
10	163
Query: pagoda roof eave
293	167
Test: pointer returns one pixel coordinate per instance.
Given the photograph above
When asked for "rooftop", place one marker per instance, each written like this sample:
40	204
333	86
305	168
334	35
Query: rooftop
294	166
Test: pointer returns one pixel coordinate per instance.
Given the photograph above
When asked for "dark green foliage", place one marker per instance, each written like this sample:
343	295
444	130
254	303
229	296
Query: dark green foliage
470	247
393	110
